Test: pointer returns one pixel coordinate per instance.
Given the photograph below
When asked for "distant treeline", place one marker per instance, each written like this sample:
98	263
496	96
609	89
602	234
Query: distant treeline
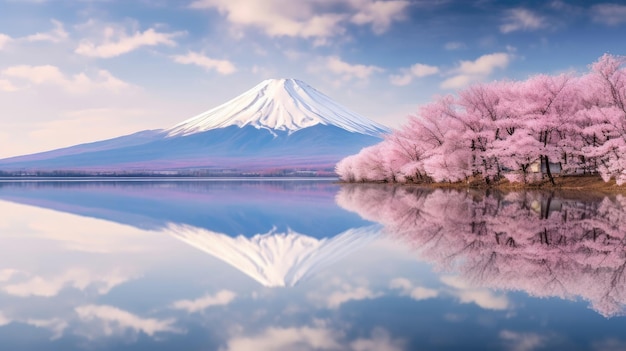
161	174
518	130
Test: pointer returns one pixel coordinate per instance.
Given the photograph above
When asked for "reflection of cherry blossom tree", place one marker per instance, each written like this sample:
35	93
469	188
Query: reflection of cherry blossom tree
544	244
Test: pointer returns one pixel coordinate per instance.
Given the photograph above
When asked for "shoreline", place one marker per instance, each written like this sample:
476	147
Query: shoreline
576	183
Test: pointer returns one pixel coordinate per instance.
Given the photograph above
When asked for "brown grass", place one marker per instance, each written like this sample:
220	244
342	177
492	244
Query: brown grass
566	183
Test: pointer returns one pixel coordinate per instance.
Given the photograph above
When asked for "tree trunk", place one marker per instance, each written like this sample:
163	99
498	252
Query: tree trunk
548	172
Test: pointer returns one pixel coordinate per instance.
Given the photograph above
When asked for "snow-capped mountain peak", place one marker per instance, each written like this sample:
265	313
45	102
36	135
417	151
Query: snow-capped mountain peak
278	104
277	259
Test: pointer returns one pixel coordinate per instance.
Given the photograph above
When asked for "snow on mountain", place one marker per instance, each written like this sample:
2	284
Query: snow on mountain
277	259
281	124
279	104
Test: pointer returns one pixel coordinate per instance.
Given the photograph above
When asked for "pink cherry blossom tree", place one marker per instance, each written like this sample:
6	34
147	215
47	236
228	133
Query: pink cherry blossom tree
563	124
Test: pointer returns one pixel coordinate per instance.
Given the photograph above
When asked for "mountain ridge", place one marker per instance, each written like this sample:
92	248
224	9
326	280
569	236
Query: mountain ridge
280	124
278	104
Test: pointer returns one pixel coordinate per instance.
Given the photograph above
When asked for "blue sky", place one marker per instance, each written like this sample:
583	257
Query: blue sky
83	70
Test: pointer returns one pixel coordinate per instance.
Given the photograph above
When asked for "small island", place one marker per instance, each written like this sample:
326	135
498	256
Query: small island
547	131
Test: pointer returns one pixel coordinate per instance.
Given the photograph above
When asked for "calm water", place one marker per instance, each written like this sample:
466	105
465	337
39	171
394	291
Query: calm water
307	265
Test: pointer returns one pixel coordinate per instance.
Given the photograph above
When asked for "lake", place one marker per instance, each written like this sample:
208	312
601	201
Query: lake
302	264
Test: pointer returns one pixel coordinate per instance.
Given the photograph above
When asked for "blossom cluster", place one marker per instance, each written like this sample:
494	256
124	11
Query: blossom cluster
519	130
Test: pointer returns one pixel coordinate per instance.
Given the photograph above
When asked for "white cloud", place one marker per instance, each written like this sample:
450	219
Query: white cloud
609	344
522	19
477	70
56	35
482	297
52	75
317	19
457	81
194	58
418	70
522	341
56	325
4	320
277	18
116	321
337	298
415	292
454	45
380	341
117	42
380	14
76	278
345	70
295	338
6	85
609	14
222	298
7	274
485	64
4	40
317	337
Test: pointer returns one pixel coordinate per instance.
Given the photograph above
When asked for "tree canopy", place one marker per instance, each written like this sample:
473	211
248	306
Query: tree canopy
519	130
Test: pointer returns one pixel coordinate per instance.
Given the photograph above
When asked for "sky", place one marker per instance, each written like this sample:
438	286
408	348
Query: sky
74	71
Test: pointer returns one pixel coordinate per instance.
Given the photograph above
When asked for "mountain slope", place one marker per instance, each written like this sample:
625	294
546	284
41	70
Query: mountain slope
277	259
279	105
278	125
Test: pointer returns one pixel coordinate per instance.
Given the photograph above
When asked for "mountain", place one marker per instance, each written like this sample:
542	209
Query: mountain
280	124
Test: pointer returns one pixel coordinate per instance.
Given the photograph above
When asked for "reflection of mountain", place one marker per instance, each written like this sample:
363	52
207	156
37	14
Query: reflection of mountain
231	207
277	259
222	218
562	246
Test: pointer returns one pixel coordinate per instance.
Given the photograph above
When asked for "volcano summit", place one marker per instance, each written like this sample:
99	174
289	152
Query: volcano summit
280	125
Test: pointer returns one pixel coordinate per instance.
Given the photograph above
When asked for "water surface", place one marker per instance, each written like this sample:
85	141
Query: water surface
307	265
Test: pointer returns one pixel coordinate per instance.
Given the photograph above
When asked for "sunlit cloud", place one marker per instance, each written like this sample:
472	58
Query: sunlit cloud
482	297
417	70
80	279
7	86
315	337
53	76
515	341
222	298
474	71
350	293
316	19
4	40
406	288
522	19
380	14
345	71
380	340
56	35
609	14
4	320
209	64
319	336
117	42
112	321
56	326
7	274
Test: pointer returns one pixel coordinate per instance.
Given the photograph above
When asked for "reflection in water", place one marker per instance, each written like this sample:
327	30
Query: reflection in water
277	259
232	207
277	243
546	245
